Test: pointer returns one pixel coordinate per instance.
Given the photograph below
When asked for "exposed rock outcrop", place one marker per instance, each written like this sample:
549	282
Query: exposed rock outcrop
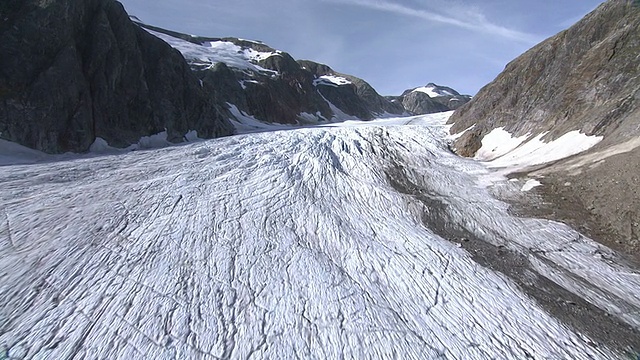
73	70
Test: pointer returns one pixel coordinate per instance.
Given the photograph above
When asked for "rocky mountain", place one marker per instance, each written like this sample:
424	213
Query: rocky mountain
431	98
73	70
271	86
584	81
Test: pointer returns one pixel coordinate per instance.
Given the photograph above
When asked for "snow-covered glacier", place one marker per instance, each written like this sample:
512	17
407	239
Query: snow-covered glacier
346	242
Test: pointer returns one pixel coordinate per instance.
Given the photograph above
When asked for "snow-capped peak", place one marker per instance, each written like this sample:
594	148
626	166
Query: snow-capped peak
434	90
331	80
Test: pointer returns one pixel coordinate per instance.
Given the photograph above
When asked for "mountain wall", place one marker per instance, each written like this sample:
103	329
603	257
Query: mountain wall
586	78
73	70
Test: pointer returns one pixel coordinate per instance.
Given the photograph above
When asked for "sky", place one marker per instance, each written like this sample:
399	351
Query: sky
392	44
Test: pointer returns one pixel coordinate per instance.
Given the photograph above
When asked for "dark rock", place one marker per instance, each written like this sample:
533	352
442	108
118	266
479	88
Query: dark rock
358	99
420	103
75	70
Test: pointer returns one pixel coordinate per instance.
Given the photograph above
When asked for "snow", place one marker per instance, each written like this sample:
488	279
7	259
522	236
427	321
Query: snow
246	124
211	53
503	153
497	143
536	151
530	185
12	153
331	80
595	158
192	136
433	91
281	245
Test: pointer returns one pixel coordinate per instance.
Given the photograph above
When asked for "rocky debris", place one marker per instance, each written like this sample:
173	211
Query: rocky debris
75	70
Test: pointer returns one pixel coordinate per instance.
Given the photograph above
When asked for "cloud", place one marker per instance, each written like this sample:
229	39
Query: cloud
463	17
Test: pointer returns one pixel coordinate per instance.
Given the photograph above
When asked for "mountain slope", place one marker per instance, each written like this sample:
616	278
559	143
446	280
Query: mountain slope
325	242
585	79
271	86
75	70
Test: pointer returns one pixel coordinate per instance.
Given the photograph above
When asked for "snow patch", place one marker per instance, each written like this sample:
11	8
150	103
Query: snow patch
602	155
191	136
331	80
12	153
434	91
530	184
536	152
497	143
246	124
101	146
155	141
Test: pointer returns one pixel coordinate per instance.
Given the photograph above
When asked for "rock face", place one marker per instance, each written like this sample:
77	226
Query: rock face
430	99
586	78
75	70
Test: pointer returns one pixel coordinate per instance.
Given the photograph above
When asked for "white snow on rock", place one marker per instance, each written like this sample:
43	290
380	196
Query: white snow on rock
280	244
497	143
213	52
502	150
433	91
536	151
331	80
246	124
530	185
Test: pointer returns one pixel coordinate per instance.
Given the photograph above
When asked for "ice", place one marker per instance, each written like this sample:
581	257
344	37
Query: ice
281	244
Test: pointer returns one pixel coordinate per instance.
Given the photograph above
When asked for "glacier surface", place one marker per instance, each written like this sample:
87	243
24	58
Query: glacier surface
283	244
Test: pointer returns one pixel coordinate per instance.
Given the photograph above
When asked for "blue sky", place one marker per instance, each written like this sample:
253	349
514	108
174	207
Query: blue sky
393	44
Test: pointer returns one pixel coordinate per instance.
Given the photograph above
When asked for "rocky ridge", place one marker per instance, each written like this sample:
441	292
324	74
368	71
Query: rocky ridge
271	86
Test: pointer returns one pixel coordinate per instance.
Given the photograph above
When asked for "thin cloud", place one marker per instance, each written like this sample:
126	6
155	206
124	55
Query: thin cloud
468	19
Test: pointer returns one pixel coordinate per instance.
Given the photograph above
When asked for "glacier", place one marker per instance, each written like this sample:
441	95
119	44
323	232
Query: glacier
308	243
